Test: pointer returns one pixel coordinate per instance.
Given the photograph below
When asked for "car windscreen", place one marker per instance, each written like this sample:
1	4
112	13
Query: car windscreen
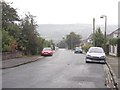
47	49
77	48
96	50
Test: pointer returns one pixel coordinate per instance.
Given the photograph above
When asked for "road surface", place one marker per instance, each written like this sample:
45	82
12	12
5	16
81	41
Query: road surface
63	70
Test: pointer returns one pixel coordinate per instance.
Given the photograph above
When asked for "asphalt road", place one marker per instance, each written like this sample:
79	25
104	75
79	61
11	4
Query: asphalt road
63	70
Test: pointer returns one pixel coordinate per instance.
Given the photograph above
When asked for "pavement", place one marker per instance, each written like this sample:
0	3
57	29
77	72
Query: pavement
113	63
10	63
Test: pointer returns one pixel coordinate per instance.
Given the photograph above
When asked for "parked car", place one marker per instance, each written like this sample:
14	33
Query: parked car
47	52
78	50
96	54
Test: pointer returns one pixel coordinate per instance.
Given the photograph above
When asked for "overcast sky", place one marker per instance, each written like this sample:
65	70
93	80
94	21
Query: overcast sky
69	11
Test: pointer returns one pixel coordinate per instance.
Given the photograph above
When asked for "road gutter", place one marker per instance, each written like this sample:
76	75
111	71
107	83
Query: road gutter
111	79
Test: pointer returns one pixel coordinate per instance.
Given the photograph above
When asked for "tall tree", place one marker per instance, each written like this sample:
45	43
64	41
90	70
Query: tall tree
9	15
61	44
73	40
9	28
29	34
20	34
98	38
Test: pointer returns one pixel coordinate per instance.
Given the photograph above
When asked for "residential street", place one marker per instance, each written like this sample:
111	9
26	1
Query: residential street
64	44
63	70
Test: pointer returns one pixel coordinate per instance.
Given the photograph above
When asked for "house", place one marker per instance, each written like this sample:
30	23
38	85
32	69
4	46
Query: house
87	41
113	47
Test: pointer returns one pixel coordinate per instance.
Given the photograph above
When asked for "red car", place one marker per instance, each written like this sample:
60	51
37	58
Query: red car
47	52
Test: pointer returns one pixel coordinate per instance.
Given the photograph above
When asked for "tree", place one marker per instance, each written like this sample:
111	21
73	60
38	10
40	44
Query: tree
98	38
20	34
31	40
61	44
47	43
9	15
113	41
73	40
10	30
29	34
8	42
14	30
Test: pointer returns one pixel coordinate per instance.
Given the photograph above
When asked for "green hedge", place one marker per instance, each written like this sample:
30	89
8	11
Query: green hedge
113	41
118	49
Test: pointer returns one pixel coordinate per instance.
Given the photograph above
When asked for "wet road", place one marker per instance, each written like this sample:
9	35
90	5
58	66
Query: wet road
63	70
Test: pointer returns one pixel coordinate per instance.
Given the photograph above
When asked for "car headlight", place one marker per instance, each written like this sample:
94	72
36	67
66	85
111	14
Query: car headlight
88	56
102	57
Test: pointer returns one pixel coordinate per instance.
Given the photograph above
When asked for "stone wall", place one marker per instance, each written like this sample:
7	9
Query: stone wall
10	55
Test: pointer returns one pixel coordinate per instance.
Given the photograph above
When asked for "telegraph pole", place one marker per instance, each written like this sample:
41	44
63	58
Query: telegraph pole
93	25
93	30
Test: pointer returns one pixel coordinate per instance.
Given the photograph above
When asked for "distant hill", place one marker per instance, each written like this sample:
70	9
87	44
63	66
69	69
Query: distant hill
57	31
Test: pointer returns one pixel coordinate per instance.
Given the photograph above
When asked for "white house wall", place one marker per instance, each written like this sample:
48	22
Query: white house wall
113	52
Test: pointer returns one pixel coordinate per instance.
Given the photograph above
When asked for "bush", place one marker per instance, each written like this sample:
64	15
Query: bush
7	41
113	41
86	47
118	42
7	48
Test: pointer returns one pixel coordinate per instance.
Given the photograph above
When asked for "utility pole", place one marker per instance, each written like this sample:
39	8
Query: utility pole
104	16
93	25
105	25
93	30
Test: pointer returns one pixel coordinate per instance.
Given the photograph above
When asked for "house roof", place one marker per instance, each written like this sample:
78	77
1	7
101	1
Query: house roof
86	40
90	36
114	32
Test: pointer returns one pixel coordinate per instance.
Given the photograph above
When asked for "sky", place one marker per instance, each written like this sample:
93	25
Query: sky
69	11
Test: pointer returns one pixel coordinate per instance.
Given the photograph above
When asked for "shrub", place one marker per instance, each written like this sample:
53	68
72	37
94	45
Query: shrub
86	47
113	41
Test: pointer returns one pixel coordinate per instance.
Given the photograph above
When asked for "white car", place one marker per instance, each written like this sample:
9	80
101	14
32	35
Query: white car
96	54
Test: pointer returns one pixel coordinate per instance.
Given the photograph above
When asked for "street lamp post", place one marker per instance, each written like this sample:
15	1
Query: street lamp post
104	16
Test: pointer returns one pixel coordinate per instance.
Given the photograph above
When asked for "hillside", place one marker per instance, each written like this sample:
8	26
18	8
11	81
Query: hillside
57	31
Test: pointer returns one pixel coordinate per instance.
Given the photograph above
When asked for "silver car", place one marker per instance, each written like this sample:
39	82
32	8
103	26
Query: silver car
96	54
78	50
